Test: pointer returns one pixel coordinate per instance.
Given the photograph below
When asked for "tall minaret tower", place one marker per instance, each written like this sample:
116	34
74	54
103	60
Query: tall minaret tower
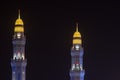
18	62
77	72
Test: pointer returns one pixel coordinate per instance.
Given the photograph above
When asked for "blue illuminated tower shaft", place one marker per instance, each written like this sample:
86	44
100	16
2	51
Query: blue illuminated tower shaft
18	62
77	72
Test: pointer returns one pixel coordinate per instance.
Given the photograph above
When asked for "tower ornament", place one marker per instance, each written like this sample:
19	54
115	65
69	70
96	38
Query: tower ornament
77	36
19	24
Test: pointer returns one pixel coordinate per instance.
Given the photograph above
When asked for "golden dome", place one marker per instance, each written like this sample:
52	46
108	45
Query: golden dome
18	29
19	20
77	33
19	24
77	41
77	36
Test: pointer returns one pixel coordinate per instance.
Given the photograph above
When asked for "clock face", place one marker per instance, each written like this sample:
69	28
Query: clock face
77	47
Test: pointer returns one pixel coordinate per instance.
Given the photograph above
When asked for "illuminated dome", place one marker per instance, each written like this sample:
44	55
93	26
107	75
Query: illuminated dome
19	24
77	33
19	20
77	36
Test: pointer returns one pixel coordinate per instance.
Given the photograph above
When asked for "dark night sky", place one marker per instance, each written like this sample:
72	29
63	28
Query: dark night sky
49	27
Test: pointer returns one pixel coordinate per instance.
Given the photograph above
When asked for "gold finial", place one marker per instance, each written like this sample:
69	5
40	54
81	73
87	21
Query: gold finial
77	33
19	13
76	27
19	24
19	20
77	36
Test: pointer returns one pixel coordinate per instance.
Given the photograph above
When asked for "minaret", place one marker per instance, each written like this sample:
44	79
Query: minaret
77	72
18	62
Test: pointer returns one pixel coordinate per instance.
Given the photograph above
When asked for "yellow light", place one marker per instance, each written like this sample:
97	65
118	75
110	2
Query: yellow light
77	41
77	34
19	29
19	22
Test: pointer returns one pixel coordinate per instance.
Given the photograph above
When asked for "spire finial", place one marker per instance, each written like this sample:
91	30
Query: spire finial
76	26
19	20
19	13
